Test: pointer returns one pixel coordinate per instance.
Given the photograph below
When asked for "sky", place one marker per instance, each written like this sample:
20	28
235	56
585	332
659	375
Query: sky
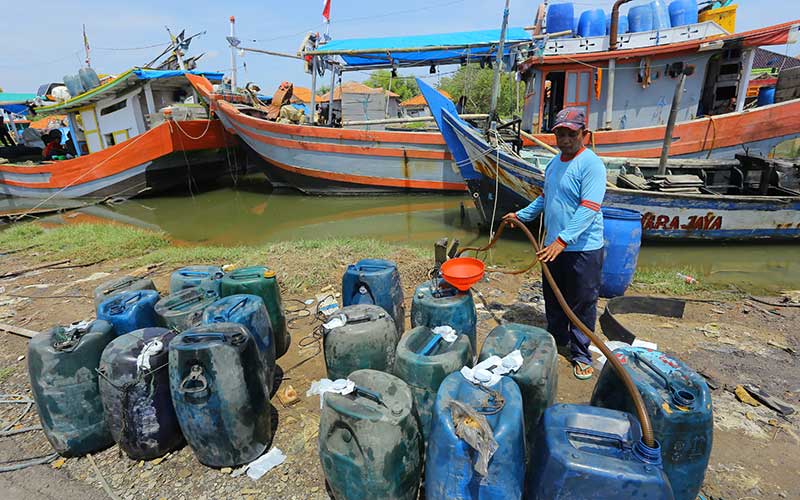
47	43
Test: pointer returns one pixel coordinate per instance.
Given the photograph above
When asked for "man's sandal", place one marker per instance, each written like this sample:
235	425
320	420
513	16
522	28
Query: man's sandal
587	370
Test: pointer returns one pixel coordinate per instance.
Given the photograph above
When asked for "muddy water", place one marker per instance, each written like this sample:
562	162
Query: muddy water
252	215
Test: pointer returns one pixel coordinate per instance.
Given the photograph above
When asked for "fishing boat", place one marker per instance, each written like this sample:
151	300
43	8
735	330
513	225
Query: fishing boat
723	200
139	132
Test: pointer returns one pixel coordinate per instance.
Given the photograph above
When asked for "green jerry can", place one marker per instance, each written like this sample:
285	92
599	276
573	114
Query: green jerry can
537	378
261	281
184	309
436	303
62	366
423	360
119	285
369	441
368	339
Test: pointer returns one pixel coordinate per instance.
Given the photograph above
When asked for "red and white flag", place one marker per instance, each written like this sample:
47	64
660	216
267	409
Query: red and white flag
326	10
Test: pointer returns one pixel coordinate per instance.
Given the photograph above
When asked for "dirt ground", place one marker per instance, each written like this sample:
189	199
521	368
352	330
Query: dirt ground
754	454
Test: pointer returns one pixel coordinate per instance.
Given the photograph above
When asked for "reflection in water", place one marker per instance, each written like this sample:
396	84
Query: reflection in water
250	216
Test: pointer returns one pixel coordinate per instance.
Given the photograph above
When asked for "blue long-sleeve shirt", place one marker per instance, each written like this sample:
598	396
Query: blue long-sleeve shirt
573	192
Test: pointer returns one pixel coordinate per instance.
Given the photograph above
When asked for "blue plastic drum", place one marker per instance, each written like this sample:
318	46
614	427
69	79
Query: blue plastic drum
560	17
640	18
622	234
683	12
592	23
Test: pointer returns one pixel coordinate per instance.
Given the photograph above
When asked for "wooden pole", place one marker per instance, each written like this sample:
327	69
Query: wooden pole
538	142
233	55
271	53
673	115
330	95
498	62
18	330
313	102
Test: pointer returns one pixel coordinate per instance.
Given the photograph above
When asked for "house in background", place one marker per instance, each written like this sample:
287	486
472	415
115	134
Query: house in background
354	101
766	66
417	106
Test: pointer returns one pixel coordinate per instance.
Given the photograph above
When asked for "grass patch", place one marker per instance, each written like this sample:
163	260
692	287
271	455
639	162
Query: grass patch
5	373
666	282
301	265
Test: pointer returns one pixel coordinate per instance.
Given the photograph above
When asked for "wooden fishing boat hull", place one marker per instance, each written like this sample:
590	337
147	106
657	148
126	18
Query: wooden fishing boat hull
321	160
167	156
500	183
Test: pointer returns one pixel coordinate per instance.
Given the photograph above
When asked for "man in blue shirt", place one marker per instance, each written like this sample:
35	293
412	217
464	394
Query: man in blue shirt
574	187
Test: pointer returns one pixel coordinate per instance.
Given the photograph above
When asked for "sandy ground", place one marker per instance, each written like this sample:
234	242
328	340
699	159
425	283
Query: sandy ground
754	454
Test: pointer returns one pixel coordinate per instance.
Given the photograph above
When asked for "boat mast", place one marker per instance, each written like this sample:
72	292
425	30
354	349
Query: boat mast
498	63
233	55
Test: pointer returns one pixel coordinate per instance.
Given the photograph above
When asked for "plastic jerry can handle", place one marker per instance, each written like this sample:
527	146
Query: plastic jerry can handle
120	305
431	345
369	394
234	307
598	434
361	318
681	397
197	379
122	284
186	302
193	338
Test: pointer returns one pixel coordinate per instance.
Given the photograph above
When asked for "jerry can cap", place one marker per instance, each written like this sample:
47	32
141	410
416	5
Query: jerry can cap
269	273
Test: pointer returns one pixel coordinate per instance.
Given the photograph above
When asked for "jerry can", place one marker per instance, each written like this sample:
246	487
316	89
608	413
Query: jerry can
221	402
250	311
129	311
537	378
679	404
259	280
588	452
450	461
375	281
369	441
437	303
134	387
205	277
184	309
423	360
62	364
119	285
367	340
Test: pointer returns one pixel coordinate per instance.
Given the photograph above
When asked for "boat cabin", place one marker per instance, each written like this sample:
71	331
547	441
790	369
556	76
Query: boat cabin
127	106
631	84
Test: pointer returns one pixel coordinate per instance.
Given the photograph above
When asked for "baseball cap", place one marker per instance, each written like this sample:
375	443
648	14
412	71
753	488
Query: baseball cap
572	118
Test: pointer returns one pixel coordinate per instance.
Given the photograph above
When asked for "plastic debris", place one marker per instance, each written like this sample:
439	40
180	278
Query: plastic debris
152	348
337	321
447	333
600	360
745	397
261	465
475	430
288	396
488	372
339	386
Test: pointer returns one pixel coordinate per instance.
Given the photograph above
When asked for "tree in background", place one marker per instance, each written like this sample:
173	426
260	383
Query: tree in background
405	87
476	83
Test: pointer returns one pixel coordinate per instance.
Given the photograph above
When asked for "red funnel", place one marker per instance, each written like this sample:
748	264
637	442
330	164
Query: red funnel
462	272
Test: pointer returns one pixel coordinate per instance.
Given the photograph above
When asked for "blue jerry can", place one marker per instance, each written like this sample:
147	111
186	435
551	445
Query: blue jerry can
450	462
206	277
119	285
222	405
436	303
129	311
62	364
679	404
375	281
584	452
423	360
250	311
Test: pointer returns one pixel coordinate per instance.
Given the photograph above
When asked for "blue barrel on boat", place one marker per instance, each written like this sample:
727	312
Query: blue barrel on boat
129	311
587	452
423	361
679	404
62	367
250	311
450	462
660	15
89	78
74	85
560	17
622	24
377	282
206	277
640	18
622	234
218	387
766	96
437	303
683	12
592	23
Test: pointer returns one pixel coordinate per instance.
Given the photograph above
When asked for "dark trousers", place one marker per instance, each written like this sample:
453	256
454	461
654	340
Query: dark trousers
577	275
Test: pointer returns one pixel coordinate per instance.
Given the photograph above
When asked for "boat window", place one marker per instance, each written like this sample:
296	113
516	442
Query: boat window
572	87
114	107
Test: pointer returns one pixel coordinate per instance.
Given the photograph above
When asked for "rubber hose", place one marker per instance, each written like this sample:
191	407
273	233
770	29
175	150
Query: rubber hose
638	402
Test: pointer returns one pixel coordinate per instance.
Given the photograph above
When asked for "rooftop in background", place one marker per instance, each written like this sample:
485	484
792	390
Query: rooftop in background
419	100
354	88
769	59
302	94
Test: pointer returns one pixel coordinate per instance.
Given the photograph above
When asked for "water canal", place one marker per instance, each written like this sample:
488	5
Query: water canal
252	215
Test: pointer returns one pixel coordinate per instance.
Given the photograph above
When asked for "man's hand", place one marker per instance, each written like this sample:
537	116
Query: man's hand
550	252
510	216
